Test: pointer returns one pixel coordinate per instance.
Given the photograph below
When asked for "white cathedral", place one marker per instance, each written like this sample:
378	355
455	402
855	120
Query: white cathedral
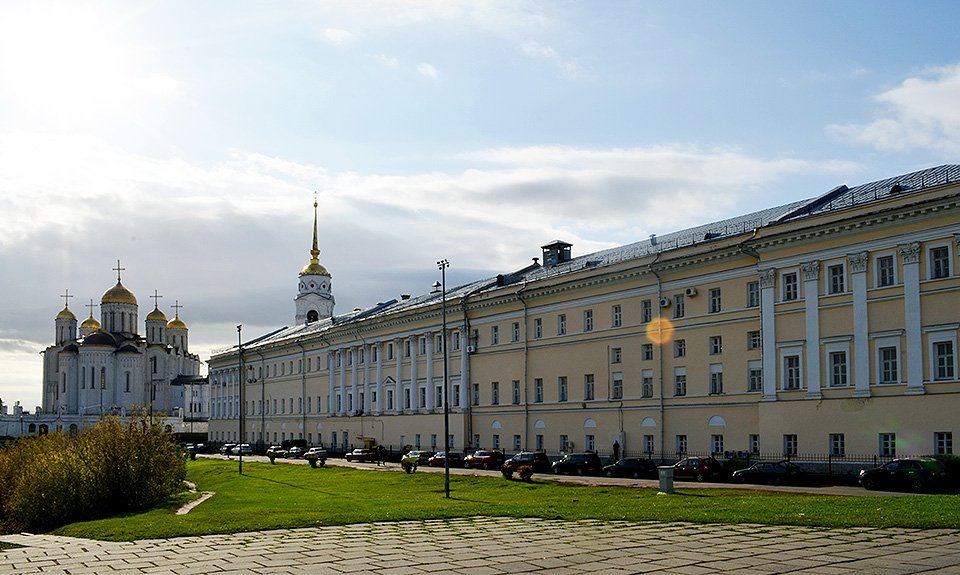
108	367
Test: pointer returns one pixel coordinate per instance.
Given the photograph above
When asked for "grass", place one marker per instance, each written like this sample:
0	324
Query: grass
287	496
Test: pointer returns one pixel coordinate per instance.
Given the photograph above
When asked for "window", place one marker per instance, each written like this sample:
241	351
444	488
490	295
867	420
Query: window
943	361
716	345
836	279
789	445
617	383
754	441
456	395
406	348
646	311
494	335
433	441
888	444
538	442
496	441
476	394
837	445
648	444
714	300
561	324
538	390
517	445
456	341
939	262
389	400
716	444
616	355
389	351
589	443
516	392
753	294
406	398
423	397
681	444
646	389
754	376
588	386
889	370
646	352
438	344
495	393
588	320
562	388
838	369
617	319
678	306
537	328
515	331
679	381
716	379
753	340
791	372
679	348
885	271
789	287
943	443
564	442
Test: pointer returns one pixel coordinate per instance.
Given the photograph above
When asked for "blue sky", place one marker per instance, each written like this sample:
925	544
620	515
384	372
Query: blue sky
188	138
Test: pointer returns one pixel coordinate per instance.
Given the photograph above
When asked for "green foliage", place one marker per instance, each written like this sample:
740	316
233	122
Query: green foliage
116	467
525	472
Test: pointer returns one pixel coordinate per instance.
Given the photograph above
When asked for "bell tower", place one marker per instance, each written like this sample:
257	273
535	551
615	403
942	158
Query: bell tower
314	298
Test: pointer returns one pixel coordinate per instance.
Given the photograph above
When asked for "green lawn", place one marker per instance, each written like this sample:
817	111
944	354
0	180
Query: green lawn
278	496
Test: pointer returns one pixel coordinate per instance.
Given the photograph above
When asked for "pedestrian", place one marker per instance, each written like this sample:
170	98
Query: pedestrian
379	455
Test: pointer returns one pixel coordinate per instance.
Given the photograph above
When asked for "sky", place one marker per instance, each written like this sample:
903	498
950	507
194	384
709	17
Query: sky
188	140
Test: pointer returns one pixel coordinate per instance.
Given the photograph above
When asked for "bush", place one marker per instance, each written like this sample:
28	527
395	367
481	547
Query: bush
116	467
525	472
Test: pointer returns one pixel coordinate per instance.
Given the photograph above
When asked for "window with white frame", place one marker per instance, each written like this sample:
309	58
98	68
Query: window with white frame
939	261
754	376
423	397
456	340
538	442
837	445
646	352
754	340
679	381
885	270
561	324
422	345
588	320
617	385
496	441
888	444
406	348
564	442
646	311
716	345
943	356
494	334
515	331
888	361
406	398
716	443
648	444
495	393
753	294
562	388
617	316
538	390
537	328
647	383
588	386
789	445
838	368
476	394
792	374
678	306
517	445
679	348
754	442
438	343
616	355
789	286
681	444
836	279
716	378
943	443
590	442
516	392
715	303
389	351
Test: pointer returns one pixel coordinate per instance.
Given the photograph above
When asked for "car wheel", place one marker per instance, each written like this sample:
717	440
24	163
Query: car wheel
916	485
609	474
868	483
580	471
636	475
485	466
699	477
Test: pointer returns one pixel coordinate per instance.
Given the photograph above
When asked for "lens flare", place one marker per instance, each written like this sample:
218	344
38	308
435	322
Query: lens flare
660	330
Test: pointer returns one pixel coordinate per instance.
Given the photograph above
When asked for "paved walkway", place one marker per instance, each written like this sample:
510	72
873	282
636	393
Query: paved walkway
482	546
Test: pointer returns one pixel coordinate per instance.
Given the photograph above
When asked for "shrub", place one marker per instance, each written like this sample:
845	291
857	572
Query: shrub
116	467
525	472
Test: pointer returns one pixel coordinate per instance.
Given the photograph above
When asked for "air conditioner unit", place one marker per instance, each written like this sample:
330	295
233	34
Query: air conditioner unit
691	291
471	349
665	302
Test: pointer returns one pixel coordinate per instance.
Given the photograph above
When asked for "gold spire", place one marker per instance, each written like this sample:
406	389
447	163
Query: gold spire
176	322
65	313
91	322
314	268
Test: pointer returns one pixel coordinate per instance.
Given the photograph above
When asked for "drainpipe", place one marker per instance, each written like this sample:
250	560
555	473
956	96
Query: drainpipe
526	353
662	411
303	386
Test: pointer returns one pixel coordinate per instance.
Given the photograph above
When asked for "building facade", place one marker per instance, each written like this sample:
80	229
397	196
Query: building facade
826	326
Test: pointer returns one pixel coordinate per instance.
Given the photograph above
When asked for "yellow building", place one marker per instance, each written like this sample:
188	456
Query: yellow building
826	327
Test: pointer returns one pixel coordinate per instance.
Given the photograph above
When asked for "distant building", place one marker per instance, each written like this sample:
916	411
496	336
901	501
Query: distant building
825	327
107	367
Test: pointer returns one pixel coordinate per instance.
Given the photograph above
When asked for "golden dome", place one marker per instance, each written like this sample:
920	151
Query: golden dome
65	313
118	294
90	323
156	315
176	323
314	269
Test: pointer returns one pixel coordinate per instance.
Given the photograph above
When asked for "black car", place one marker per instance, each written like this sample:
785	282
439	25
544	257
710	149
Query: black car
697	469
536	459
579	464
778	473
632	467
914	474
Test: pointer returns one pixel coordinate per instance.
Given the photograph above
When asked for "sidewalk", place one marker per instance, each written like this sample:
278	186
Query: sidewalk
482	546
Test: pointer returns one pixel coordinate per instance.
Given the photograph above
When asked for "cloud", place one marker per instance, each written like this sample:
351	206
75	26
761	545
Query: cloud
427	71
387	61
336	36
919	114
569	69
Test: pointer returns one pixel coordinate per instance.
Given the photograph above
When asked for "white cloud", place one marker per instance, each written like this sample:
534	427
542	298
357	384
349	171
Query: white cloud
387	60
919	114
568	68
336	36
427	71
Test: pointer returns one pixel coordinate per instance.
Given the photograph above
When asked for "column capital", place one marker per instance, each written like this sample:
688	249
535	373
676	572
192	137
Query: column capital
910	252
768	278
811	270
858	262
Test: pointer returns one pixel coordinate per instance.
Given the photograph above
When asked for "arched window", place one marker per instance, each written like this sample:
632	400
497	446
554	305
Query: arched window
312	316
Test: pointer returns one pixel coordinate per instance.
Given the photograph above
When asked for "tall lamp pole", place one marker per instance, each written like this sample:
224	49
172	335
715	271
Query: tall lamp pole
443	265
240	379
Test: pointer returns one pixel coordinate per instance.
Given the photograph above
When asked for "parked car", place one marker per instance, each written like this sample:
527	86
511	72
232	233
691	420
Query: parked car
914	474
275	451
227	448
362	456
422	456
456	460
632	467
771	473
484	459
579	464
697	469
315	456
242	448
536	459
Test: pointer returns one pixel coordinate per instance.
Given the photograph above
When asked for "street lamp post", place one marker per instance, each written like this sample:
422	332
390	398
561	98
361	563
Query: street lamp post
443	265
240	380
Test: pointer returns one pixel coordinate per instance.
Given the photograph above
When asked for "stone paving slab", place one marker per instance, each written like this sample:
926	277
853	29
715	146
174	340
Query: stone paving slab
495	546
